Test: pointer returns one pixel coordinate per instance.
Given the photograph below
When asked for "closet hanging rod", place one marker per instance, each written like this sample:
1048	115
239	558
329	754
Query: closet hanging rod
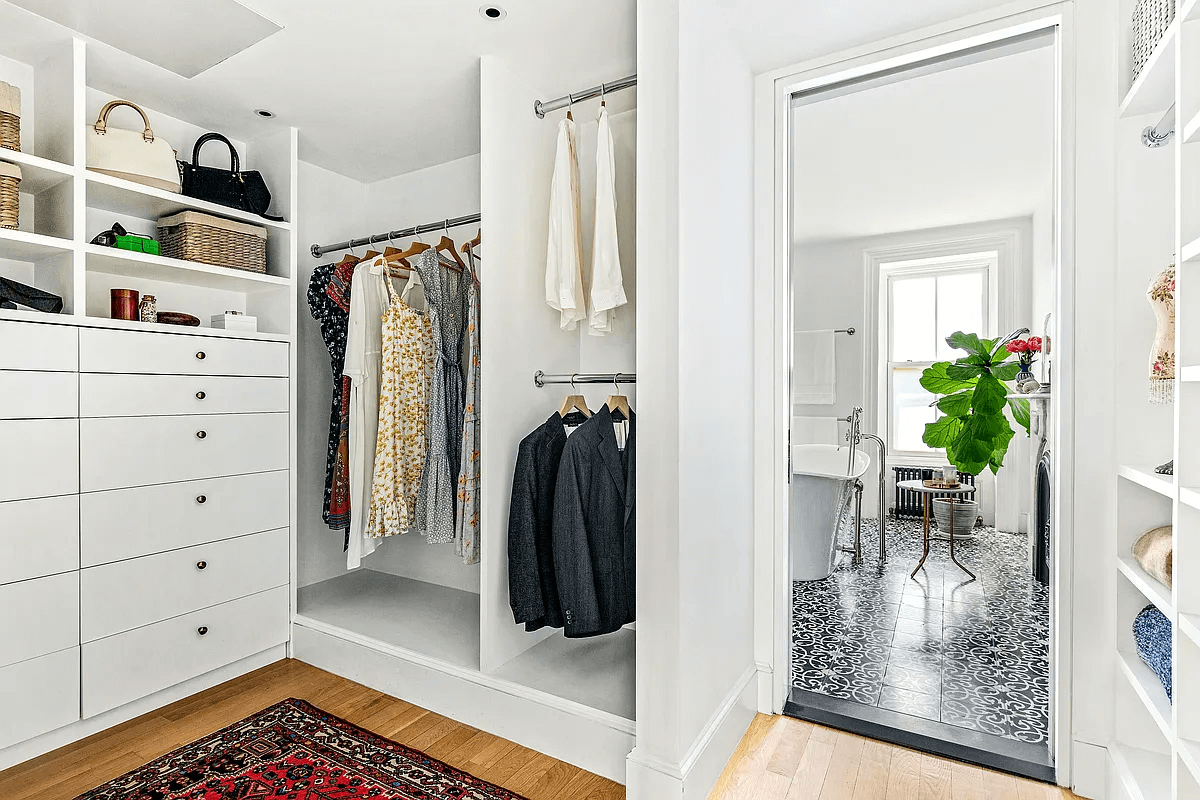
543	108
540	378
845	330
319	250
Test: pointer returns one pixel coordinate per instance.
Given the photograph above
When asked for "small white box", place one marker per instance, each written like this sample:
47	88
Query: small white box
230	321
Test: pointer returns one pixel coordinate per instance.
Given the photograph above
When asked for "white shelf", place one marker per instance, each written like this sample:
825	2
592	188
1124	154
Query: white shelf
1191	251
1191	131
128	264
25	246
37	174
1146	476
1189	753
146	202
27	315
1189	374
1154	90
1154	591
1146	775
1147	687
1190	625
1189	496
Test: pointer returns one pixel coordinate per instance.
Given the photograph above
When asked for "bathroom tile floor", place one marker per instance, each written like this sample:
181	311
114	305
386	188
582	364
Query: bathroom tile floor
974	654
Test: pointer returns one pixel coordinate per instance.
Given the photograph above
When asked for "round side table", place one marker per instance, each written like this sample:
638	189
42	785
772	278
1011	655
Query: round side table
926	493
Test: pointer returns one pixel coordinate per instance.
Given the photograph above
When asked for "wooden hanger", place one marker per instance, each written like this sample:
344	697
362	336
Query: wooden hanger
395	257
572	405
471	245
446	245
414	249
618	403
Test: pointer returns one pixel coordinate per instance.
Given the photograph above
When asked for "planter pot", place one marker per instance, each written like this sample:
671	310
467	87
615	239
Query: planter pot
965	514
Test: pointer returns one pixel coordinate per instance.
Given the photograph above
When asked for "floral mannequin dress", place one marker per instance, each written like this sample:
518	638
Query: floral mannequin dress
1162	355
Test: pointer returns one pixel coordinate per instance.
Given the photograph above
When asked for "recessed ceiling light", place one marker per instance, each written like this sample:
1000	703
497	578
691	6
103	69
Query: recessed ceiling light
493	13
262	112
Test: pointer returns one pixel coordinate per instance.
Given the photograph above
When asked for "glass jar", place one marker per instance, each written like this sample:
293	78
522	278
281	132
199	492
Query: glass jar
148	309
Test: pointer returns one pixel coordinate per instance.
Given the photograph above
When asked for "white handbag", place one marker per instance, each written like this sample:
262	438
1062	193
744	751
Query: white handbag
138	157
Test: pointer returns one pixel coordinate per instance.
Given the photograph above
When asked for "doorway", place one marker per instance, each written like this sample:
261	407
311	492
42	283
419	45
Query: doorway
923	199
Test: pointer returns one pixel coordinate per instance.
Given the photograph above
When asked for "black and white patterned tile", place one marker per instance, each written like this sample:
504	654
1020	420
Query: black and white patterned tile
970	653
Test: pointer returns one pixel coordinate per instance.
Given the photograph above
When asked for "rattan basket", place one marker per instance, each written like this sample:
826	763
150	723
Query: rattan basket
194	236
10	195
10	116
1150	21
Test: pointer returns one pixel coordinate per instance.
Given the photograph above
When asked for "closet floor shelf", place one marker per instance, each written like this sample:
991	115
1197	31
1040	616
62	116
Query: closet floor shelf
37	174
1146	686
147	202
1146	477
31	247
1154	591
1145	774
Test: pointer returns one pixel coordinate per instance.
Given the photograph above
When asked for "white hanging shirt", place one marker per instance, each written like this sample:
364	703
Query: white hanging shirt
608	290
364	364
564	248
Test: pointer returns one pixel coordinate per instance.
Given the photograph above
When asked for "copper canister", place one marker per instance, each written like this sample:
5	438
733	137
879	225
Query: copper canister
123	304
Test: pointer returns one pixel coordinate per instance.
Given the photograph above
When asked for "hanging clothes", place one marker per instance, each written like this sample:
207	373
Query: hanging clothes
608	288
532	588
564	248
339	291
363	369
333	321
406	376
446	294
594	528
1162	355
466	525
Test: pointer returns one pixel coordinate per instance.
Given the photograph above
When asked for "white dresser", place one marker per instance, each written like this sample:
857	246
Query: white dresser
144	515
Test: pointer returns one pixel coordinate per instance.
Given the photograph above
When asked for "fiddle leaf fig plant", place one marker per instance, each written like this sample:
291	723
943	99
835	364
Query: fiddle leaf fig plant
974	429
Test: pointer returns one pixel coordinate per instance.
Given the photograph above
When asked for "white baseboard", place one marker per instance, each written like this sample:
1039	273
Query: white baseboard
653	778
39	745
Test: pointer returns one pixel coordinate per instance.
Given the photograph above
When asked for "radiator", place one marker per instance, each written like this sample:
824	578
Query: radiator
908	502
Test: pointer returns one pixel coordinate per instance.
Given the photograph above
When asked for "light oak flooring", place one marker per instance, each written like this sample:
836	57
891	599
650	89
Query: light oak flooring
787	759
76	768
779	758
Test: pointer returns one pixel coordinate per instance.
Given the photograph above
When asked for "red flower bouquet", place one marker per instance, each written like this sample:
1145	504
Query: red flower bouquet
1025	349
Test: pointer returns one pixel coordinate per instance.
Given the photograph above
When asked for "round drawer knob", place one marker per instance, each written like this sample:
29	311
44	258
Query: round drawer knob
201	434
201	395
201	565
203	629
201	499
201	355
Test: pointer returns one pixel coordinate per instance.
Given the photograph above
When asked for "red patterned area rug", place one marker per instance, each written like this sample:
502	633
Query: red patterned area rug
295	751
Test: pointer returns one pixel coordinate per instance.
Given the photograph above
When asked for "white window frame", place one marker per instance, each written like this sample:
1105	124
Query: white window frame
986	263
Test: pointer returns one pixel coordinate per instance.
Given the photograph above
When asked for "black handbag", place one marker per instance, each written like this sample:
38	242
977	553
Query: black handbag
234	188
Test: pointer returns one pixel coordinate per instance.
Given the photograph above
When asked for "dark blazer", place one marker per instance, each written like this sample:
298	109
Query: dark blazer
594	541
532	590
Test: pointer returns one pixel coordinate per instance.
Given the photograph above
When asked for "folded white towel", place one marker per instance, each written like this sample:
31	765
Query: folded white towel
814	368
815	430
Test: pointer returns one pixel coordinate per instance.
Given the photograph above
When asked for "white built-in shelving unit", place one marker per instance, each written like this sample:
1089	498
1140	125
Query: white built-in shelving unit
64	205
1156	742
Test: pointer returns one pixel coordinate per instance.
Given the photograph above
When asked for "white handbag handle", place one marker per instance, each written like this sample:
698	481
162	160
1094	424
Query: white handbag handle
102	121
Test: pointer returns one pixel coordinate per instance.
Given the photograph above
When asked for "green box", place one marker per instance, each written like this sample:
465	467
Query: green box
138	244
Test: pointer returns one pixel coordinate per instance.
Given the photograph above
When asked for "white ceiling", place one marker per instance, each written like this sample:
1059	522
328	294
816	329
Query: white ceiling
963	145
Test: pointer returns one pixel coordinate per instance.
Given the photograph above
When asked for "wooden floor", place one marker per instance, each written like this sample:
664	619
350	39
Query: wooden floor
779	758
786	759
71	770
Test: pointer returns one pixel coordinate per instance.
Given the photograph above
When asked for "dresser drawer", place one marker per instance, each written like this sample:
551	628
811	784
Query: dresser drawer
38	537
129	594
121	452
137	663
38	695
38	617
138	352
38	395
41	458
29	345
104	395
127	523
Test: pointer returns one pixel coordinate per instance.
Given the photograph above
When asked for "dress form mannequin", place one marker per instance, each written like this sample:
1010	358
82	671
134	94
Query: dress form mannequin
1162	356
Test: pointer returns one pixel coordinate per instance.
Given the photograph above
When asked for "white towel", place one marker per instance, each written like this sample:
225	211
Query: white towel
815	430
814	368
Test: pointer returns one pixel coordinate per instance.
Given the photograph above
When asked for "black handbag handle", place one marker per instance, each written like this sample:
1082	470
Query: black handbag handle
234	161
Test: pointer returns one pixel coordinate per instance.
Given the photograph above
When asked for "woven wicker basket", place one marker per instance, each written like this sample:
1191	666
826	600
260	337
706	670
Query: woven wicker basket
194	236
10	116
1150	21
10	197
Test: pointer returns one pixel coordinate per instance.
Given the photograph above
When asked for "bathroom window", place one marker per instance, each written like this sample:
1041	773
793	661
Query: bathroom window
926	301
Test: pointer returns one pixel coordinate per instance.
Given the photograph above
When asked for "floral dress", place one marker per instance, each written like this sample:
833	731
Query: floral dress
405	378
466	525
333	322
1162	355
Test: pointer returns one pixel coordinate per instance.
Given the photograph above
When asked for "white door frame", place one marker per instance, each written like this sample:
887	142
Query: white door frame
773	325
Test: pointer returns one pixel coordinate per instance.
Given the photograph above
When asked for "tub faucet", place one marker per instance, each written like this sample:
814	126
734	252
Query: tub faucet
853	435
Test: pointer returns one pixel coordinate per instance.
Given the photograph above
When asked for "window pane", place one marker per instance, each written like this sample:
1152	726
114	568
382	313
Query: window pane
910	409
913	324
960	308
